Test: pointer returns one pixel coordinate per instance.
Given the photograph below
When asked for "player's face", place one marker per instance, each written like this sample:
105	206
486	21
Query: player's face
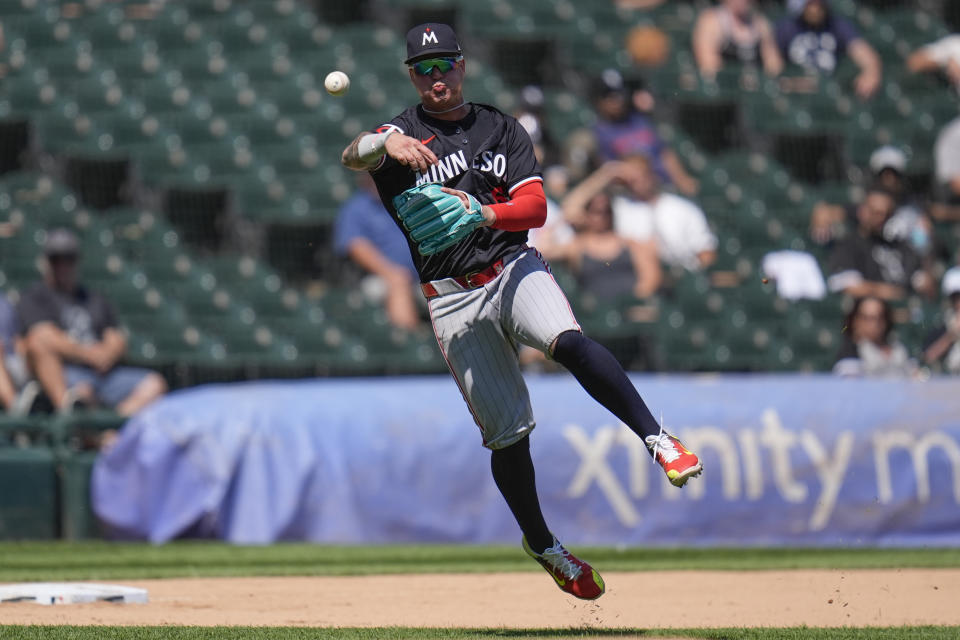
440	90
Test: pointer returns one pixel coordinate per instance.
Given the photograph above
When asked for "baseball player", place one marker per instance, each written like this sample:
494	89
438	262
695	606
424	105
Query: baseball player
461	180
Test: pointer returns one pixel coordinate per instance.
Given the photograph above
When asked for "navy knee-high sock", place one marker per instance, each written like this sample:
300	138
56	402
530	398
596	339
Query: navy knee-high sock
601	375
513	472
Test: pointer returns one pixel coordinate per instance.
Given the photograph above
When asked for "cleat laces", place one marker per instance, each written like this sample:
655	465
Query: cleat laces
661	443
559	558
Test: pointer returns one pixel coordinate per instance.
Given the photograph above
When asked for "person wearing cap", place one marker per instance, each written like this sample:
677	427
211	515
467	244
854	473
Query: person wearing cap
73	341
941	349
909	222
865	263
487	290
623	129
812	36
735	32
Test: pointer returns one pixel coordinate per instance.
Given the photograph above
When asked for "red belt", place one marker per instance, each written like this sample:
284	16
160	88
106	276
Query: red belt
469	281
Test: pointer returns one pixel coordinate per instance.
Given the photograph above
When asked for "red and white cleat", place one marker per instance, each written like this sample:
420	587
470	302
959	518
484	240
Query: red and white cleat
677	461
572	574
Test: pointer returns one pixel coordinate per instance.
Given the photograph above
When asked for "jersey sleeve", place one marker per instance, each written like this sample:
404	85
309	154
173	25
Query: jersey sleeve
398	124
522	165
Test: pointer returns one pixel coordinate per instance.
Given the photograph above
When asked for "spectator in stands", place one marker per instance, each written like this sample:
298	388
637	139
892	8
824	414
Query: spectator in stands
813	37
73	341
735	32
909	222
865	263
942	346
530	115
17	391
946	157
366	234
8	332
944	56
869	347
644	212
623	128
607	265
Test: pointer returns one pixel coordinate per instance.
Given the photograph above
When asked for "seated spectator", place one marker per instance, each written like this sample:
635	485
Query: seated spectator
8	332
946	160
17	391
644	212
623	129
813	37
735	32
529	113
73	341
909	222
366	234
869	347
606	265
944	56
865	263
942	346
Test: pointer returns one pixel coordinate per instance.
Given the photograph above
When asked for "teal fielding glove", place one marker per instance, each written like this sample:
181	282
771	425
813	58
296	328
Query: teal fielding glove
436	220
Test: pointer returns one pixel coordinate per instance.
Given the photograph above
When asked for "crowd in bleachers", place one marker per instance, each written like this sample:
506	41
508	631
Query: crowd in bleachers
736	185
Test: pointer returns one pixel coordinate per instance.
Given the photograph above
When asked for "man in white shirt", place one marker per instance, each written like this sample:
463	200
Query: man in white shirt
643	212
943	56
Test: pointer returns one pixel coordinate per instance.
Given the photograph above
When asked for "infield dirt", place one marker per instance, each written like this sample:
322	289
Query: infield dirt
530	600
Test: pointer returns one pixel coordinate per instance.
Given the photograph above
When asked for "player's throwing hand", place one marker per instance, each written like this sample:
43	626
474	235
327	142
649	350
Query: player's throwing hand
410	152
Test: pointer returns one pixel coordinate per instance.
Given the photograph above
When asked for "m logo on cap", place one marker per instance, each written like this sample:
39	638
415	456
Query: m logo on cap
429	36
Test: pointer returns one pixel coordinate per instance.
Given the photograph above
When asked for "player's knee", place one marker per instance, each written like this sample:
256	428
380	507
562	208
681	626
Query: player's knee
567	344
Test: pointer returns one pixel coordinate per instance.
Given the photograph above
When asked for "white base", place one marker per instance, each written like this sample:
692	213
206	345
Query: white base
48	593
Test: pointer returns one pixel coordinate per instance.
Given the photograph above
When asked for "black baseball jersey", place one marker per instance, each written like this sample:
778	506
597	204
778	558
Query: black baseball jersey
486	154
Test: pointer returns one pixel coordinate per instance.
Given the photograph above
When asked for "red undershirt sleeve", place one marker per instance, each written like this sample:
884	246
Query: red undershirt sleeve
526	209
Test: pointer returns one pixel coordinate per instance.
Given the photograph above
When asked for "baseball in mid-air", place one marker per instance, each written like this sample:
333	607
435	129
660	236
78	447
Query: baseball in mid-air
336	83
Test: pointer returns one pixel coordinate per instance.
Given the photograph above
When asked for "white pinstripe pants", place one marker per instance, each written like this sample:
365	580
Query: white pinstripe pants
478	331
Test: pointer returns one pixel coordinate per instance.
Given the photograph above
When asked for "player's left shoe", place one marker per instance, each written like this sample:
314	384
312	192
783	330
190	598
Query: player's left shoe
572	574
677	461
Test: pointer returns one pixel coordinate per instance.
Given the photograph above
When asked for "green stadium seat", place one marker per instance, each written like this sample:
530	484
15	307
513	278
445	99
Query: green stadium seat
31	511
172	29
109	31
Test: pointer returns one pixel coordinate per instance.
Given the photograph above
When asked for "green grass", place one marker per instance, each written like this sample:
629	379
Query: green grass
36	561
388	633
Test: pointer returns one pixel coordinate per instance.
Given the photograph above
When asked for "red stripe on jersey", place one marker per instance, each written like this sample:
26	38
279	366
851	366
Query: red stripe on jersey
526	209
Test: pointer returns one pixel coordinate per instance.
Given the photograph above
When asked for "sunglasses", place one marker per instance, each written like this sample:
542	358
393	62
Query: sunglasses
425	67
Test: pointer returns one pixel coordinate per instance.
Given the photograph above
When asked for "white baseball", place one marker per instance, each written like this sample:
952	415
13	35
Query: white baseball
336	83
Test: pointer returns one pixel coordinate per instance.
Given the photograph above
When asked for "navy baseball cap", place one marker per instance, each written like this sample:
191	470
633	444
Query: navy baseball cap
430	40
